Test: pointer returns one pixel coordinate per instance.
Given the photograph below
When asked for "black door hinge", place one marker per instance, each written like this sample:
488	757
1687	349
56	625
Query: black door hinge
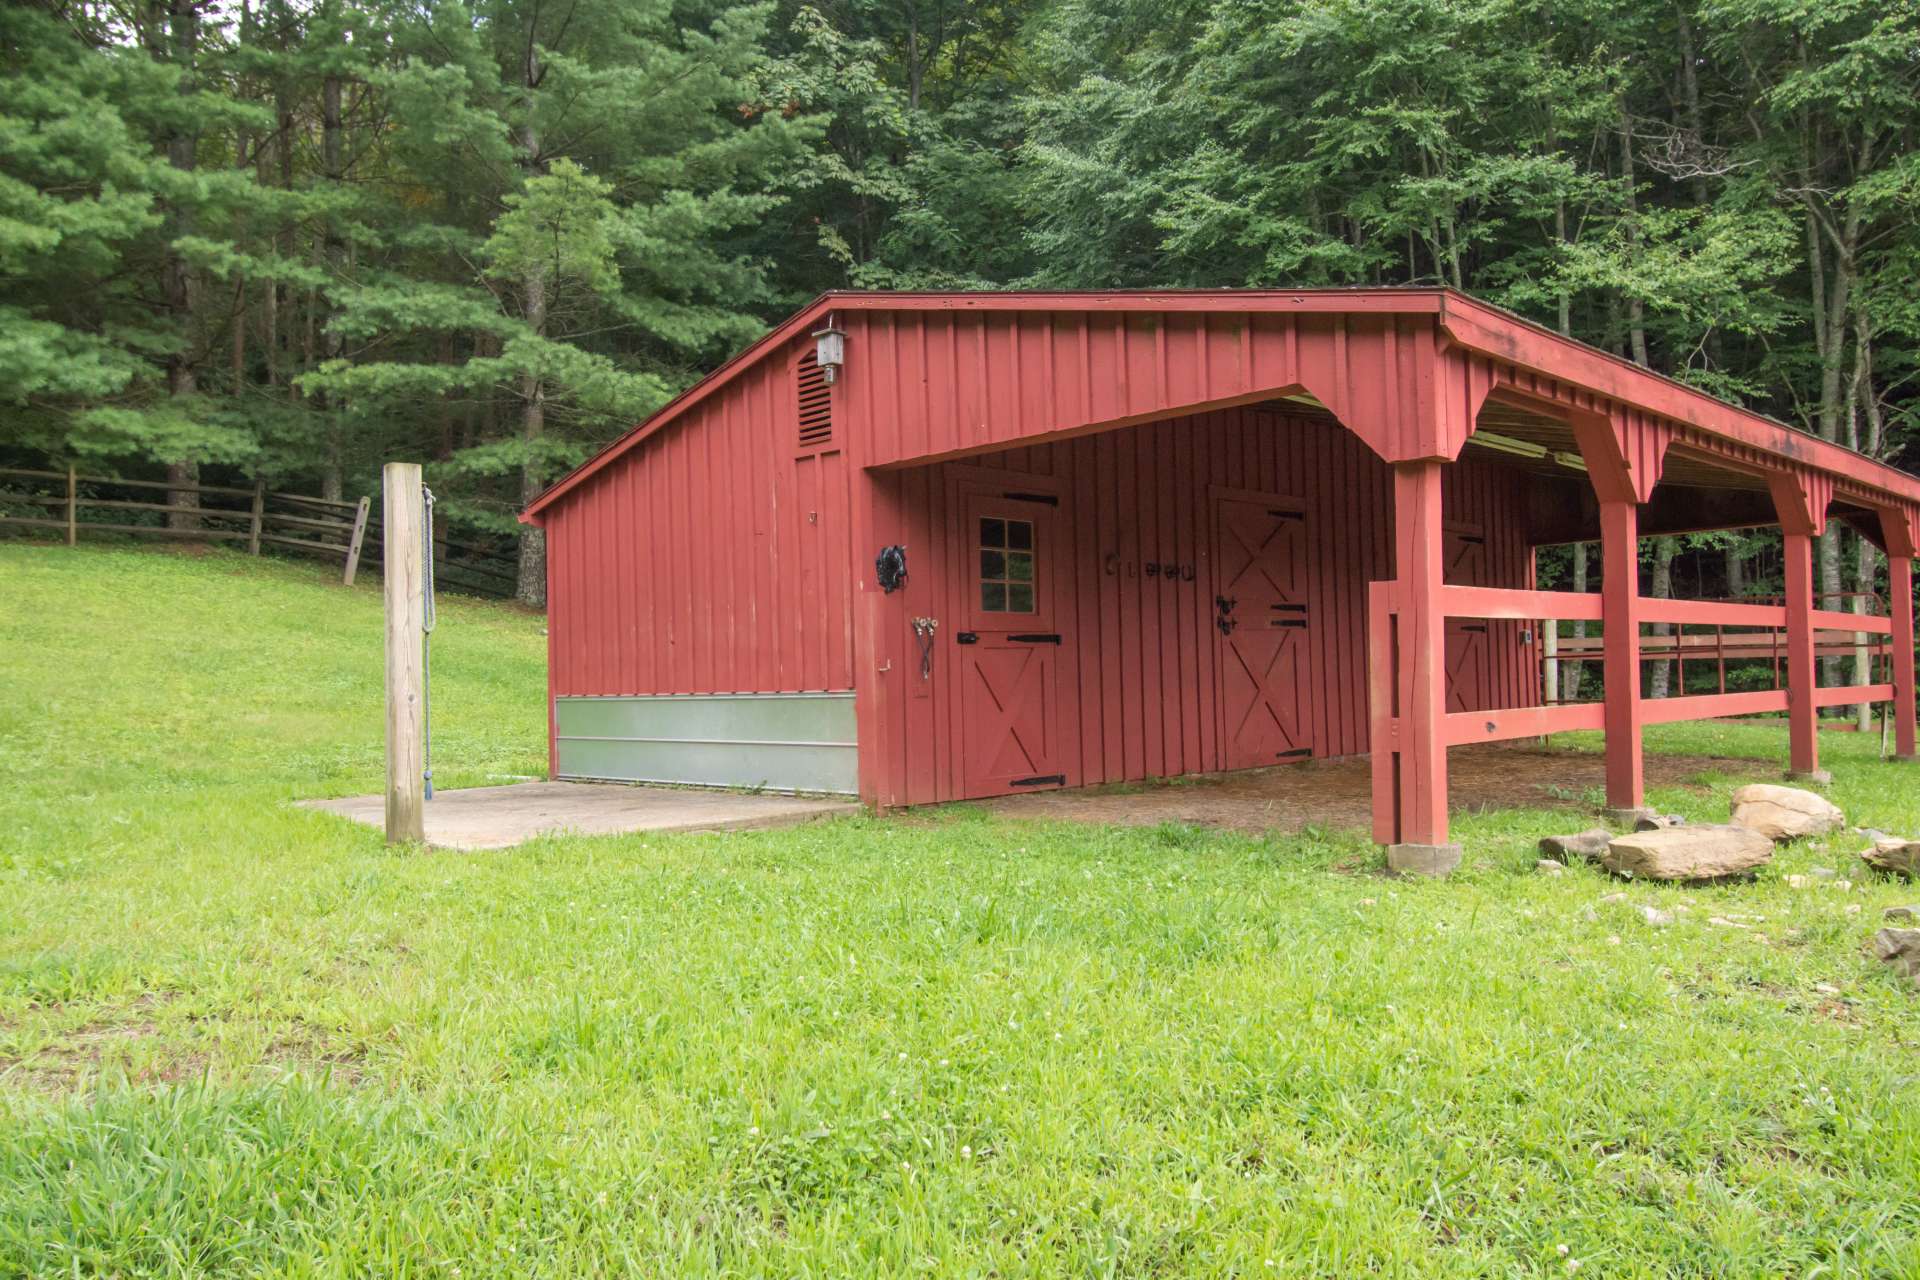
1035	638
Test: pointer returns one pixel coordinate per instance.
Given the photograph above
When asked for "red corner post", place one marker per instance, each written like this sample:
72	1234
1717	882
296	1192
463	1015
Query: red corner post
1900	532
1620	657
1611	442
1800	500
1900	589
1803	721
1421	683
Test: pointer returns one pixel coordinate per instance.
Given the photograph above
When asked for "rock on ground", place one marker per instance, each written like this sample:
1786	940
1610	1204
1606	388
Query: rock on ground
1688	853
1587	844
1899	949
1658	821
1785	813
1901	857
1548	867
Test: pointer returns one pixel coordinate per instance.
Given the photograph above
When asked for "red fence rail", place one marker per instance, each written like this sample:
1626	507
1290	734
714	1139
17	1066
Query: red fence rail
1553	607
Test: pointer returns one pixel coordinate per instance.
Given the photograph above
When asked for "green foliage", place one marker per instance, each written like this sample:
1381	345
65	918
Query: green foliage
301	238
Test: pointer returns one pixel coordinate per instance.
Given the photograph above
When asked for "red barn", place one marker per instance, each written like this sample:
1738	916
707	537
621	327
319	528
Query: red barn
925	547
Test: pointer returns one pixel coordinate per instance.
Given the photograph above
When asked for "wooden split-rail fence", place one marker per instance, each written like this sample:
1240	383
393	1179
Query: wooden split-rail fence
72	503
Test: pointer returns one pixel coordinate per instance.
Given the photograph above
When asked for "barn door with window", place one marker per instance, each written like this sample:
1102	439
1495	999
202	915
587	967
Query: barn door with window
1260	628
1008	655
1469	656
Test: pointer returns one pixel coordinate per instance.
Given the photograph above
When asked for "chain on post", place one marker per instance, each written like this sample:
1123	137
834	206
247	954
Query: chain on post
426	640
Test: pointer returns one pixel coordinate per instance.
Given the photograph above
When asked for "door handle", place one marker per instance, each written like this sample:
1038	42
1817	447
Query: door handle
966	637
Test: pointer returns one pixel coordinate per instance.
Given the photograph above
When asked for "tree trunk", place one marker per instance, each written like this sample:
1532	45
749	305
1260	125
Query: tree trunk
1736	573
179	284
1663	552
1571	672
533	421
915	72
1865	412
1565	298
1866	579
1636	306
333	256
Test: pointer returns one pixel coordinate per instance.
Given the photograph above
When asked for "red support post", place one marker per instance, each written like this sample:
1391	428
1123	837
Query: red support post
1803	715
1421	695
1620	638
1801	498
1900	606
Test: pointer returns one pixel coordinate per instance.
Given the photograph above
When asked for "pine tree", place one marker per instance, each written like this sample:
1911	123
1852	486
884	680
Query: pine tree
630	144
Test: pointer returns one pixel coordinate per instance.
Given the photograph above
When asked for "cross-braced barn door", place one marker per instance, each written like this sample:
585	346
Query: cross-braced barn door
1008	655
1469	655
1260	628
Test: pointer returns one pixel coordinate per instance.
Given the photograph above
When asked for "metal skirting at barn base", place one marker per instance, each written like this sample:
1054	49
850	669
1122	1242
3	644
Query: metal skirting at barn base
500	817
797	742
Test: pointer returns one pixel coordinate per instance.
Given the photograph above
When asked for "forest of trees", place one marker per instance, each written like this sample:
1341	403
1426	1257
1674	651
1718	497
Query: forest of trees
295	238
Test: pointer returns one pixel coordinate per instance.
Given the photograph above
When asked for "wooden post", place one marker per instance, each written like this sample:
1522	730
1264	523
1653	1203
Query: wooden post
1620	655
354	543
1900	606
1419	564
1800	499
405	654
256	517
1803	717
73	508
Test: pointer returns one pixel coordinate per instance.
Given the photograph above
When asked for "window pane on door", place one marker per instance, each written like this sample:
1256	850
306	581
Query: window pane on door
1006	565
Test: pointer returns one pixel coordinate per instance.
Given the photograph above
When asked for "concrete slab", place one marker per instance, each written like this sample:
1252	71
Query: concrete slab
499	817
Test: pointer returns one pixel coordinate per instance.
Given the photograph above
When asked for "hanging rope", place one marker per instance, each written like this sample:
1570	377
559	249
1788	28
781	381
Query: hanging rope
426	625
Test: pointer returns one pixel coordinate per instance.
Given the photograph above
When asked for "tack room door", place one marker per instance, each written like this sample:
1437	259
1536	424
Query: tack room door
1260	628
1008	656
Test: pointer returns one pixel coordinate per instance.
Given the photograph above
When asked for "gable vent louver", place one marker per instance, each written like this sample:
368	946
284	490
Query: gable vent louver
816	403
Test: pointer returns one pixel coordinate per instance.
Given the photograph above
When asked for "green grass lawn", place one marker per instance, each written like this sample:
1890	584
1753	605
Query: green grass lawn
241	1038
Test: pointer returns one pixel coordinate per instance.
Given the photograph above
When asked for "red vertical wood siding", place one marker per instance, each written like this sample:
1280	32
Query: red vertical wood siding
1137	673
713	558
951	383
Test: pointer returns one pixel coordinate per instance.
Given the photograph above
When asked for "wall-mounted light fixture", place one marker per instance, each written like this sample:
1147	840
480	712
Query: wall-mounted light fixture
829	352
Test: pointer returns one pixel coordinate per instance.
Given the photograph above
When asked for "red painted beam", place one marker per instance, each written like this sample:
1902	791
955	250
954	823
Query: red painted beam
1526	606
1712	706
1522	722
1847	694
1834	620
1713	613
